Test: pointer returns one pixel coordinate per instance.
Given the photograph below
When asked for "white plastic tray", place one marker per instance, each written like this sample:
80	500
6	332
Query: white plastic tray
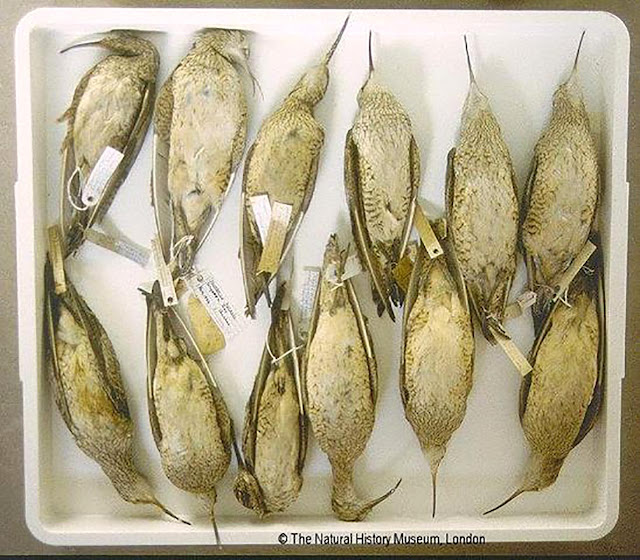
519	58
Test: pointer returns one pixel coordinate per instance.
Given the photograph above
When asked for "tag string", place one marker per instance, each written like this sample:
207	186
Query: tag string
77	171
275	360
497	325
184	241
335	283
562	297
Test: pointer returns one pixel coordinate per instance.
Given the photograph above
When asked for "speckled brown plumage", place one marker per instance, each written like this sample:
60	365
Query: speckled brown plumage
283	163
190	422
111	106
275	431
382	177
560	204
561	397
437	362
201	113
482	209
340	383
87	387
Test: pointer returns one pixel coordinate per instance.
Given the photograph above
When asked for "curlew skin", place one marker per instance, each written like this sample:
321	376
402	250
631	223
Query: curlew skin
275	431
437	364
561	398
87	386
201	113
382	177
483	211
111	106
340	384
560	205
283	163
189	419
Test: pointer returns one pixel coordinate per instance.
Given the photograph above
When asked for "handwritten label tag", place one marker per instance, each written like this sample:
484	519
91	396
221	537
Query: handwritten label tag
119	245
272	250
513	352
204	286
100	175
429	239
261	214
581	258
308	296
165	280
402	272
522	303
57	261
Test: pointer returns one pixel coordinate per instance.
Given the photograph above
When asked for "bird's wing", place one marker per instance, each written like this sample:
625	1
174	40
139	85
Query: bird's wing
449	186
249	245
597	290
366	340
102	348
360	233
302	419
160	196
253	406
67	151
313	325
152	361
163	110
50	319
414	169
409	300
524	208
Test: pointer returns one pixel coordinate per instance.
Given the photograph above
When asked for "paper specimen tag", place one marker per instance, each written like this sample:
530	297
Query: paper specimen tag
513	352
308	296
272	250
121	246
204	286
429	239
261	214
522	303
57	261
100	175
581	258
402	272
164	276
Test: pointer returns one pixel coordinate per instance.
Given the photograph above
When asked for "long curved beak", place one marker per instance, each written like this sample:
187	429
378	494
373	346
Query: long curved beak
327	57
371	66
575	62
472	77
88	40
254	81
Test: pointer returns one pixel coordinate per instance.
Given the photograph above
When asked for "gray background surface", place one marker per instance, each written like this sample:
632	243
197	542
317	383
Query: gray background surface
14	535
